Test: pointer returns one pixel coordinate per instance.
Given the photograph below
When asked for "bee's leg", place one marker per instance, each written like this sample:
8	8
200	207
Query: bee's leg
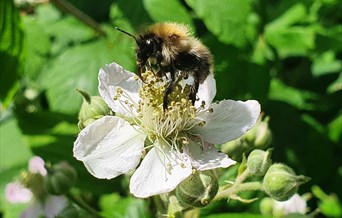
193	92
169	89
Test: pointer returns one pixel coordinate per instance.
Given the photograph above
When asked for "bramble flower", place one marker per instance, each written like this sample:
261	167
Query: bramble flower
172	143
30	189
295	205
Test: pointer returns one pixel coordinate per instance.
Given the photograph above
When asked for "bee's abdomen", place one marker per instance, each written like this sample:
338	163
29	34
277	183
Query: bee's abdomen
199	66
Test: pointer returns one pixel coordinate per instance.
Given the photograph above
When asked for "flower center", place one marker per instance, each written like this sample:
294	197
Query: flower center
168	126
160	124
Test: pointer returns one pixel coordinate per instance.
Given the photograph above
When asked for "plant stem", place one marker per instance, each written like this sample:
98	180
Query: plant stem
236	189
232	190
82	204
69	8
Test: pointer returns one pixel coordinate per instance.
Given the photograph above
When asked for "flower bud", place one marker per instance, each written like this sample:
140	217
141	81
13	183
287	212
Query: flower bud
60	178
93	108
260	136
198	189
281	182
266	206
259	161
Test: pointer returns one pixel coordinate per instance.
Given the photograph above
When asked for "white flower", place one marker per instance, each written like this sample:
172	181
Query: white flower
44	204
296	204
177	140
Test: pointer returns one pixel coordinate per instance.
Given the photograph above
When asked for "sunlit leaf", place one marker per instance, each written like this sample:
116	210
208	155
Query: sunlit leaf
335	128
14	154
68	30
171	10
300	99
38	47
11	141
124	207
237	215
11	47
291	41
329	205
294	14
78	68
227	19
326	63
121	14
336	85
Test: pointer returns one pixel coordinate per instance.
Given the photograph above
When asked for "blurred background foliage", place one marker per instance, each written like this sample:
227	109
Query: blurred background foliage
285	54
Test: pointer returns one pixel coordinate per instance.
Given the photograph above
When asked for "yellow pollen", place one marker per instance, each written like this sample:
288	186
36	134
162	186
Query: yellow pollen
168	125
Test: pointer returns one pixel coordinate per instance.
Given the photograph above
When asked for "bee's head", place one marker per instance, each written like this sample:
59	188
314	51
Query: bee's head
148	46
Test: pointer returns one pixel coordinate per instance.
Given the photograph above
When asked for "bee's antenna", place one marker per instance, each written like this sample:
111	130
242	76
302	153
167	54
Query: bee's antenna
123	31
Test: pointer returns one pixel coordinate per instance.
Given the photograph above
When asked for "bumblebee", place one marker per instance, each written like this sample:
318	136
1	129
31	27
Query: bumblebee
175	52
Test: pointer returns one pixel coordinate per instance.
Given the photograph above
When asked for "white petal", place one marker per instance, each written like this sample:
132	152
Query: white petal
109	147
229	120
54	205
152	177
207	157
295	204
113	76
206	91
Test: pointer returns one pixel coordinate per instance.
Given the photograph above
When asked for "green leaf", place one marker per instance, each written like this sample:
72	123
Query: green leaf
288	39
13	210
329	38
300	99
237	215
63	30
171	10
11	47
78	67
124	207
47	14
292	41
38	47
227	19
336	85
14	155
326	63
293	15
12	141
329	205
121	14
68	30
335	128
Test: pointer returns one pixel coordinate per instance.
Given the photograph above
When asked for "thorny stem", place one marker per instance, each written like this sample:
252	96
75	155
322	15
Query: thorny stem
82	204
